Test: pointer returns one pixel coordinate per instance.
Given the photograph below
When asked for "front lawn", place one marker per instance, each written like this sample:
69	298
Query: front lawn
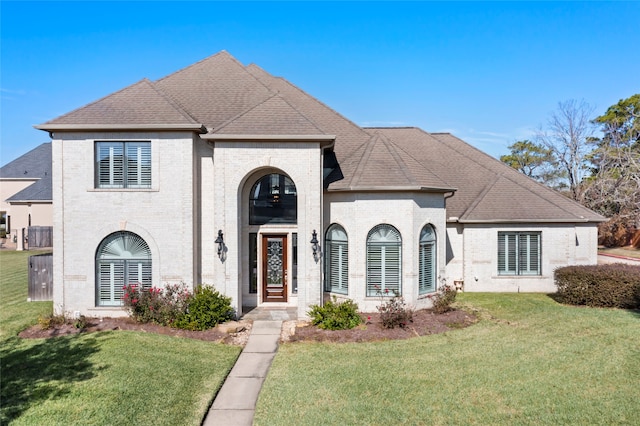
528	361
106	378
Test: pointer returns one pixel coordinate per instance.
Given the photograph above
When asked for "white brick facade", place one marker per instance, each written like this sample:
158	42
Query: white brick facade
200	187
216	128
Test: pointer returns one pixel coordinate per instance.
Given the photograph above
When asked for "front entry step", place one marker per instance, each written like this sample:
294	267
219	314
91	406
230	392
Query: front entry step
263	313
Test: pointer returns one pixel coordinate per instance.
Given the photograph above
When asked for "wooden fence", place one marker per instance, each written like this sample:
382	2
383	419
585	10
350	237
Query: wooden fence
40	236
41	277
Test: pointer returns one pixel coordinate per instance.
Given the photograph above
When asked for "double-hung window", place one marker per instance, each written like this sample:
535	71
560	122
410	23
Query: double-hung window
123	164
519	253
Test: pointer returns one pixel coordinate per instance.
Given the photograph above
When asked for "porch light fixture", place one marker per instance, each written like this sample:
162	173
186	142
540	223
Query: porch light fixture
315	246
220	242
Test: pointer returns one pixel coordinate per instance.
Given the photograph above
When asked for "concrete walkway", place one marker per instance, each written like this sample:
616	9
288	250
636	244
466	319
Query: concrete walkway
236	402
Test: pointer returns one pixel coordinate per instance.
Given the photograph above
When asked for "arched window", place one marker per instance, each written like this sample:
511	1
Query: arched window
273	199
122	258
336	260
427	264
384	259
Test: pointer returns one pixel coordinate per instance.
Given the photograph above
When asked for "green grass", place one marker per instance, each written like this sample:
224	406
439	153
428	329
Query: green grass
621	251
15	312
106	378
529	361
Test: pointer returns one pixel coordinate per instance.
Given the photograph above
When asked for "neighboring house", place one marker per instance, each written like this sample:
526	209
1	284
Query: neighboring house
25	193
223	174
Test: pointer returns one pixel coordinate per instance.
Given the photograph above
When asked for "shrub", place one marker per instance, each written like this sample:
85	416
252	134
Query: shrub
443	299
615	285
335	316
156	305
205	309
50	320
81	322
394	312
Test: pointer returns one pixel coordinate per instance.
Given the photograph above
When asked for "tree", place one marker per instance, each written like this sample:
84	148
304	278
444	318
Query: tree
535	161
568	137
613	189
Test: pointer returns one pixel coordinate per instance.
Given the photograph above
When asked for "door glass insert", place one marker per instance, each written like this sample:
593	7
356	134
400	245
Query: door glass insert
275	268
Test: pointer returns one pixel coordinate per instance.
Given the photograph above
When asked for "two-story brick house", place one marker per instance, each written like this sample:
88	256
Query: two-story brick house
225	175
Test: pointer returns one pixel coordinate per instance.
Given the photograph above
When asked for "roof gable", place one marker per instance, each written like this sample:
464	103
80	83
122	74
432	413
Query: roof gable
274	116
139	104
215	89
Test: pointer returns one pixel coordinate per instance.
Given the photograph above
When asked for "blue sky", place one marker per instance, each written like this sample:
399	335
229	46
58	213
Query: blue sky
490	73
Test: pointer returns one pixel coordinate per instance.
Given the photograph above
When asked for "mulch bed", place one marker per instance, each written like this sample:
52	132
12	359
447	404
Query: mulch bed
126	323
424	322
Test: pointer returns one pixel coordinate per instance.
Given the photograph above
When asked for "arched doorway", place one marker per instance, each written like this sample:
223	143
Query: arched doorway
272	233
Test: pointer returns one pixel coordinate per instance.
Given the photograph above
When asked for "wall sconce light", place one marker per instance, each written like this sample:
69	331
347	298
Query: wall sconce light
220	242
315	246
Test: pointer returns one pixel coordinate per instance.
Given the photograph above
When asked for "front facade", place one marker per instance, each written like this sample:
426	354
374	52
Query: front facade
222	174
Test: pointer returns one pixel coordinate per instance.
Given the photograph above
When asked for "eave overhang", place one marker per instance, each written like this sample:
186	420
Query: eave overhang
393	189
527	221
199	128
324	140
10	201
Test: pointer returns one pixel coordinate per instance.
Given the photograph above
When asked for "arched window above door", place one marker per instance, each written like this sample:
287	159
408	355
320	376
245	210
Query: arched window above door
273	199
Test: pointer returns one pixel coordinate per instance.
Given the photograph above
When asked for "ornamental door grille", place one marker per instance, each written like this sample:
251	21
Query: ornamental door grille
274	264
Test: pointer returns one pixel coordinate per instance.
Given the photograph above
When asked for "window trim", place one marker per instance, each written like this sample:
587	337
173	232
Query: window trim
514	247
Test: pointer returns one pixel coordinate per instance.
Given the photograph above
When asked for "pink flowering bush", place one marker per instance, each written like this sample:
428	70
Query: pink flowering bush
177	307
156	305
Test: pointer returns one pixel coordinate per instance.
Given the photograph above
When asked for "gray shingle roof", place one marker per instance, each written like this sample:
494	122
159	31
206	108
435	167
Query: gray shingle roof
141	103
39	191
488	190
274	116
229	98
35	164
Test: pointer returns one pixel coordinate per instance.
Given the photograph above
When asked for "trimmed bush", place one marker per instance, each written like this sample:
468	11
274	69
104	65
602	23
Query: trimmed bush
611	286
205	309
335	316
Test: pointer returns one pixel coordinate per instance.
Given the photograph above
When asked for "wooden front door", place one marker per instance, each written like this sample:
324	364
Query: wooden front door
274	268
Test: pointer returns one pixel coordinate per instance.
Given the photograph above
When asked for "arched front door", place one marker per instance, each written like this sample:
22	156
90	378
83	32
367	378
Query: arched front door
273	204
